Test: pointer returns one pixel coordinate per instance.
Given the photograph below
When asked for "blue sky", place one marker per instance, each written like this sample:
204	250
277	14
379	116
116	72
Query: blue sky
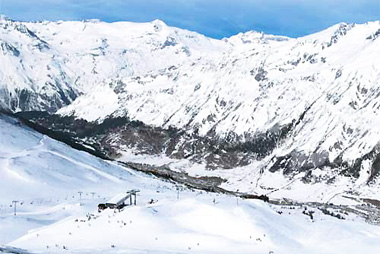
214	18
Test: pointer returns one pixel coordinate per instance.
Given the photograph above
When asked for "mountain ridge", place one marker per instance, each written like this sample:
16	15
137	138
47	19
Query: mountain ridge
270	103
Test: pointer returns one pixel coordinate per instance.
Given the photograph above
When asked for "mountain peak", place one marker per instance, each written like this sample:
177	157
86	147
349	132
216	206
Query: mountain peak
158	24
94	21
5	18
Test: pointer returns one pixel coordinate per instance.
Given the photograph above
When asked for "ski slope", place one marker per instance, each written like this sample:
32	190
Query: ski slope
195	224
46	176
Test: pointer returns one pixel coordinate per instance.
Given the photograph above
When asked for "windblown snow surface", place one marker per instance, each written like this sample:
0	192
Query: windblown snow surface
46	176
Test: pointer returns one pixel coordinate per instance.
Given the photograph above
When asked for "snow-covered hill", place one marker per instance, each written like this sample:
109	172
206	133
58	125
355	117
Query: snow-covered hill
42	174
32	164
197	225
46	176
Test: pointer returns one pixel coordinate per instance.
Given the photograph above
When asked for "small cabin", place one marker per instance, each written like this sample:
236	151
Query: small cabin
120	201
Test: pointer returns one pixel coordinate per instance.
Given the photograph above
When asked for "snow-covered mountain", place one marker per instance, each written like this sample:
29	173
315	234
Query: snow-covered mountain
46	65
323	87
306	108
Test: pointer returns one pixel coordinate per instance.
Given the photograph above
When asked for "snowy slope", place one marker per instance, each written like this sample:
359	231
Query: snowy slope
34	165
194	224
46	176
